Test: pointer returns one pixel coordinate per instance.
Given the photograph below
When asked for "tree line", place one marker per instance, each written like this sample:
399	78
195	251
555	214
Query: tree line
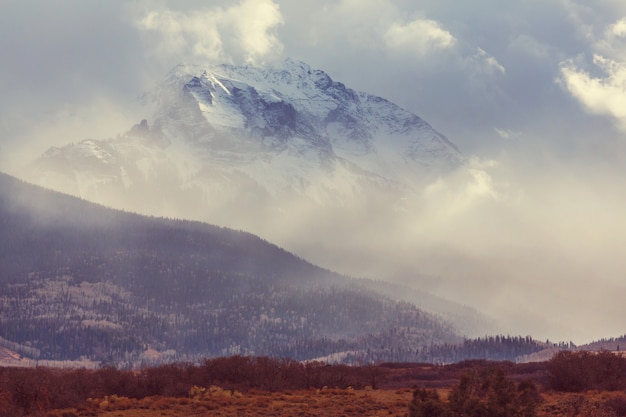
487	393
28	391
583	370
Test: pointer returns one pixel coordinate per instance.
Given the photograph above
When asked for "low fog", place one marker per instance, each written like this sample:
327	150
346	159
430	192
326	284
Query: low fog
530	231
536	246
542	254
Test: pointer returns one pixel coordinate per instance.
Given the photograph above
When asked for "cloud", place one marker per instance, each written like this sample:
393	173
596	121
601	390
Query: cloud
255	22
197	34
245	32
599	84
376	26
506	133
488	62
600	95
618	29
420	36
464	190
613	42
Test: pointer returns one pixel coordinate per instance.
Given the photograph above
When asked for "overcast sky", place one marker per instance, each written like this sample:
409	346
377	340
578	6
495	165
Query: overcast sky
533	92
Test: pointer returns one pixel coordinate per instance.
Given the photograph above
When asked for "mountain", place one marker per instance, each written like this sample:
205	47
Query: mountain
218	139
78	280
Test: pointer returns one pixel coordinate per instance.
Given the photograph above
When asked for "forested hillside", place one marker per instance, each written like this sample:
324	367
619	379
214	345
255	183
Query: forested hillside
79	280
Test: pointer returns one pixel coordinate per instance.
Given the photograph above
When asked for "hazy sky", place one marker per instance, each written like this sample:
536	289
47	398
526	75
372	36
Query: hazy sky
533	92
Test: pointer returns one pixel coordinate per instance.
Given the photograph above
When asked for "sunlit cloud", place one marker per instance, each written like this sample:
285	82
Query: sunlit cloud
601	88
600	95
245	32
618	29
612	42
255	22
419	36
460	193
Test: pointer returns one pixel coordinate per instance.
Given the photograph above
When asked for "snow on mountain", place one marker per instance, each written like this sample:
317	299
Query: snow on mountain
224	134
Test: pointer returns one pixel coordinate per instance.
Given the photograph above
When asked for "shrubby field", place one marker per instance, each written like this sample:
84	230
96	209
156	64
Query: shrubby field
571	384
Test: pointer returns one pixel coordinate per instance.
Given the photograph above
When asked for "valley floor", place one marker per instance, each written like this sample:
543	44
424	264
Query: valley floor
217	402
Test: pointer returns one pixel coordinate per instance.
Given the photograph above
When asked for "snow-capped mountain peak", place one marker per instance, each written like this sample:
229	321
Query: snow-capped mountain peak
281	130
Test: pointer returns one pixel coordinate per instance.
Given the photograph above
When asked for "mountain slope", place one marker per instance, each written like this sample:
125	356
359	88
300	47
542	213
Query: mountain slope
79	280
